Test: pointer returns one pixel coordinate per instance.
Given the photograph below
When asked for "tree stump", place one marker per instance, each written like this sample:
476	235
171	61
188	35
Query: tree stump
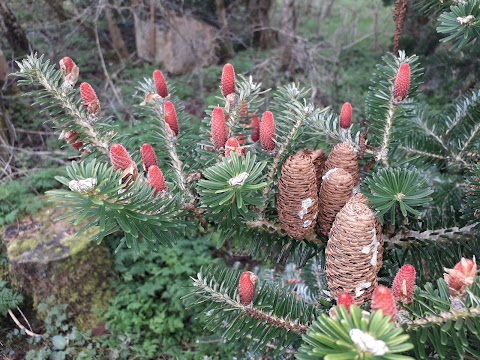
47	259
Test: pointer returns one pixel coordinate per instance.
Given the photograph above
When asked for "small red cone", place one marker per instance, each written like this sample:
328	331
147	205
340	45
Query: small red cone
119	157
346	300
171	116
382	299
346	116
156	179
228	80
402	83
246	287
160	83
403	284
255	126
267	131
218	127
148	156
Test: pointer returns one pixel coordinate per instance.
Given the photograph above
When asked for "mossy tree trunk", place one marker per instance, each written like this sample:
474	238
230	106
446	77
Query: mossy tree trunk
47	259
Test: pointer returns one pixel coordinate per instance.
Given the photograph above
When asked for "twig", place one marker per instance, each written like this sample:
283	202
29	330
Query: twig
383	151
28	332
24	318
275	229
441	318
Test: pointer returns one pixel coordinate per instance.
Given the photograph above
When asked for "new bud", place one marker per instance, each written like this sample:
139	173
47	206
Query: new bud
90	101
382	299
403	284
148	156
71	138
228	80
402	83
218	128
160	83
171	116
346	116
461	277
156	179
246	287
267	131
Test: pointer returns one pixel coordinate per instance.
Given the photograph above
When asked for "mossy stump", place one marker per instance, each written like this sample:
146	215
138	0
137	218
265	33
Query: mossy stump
47	259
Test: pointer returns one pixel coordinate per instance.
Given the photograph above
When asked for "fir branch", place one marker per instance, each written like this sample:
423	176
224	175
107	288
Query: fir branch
275	229
441	318
382	153
41	72
405	240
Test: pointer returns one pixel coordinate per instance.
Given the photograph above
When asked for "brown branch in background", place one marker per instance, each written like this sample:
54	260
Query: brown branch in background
399	18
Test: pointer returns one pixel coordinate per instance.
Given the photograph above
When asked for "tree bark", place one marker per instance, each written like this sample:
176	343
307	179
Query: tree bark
115	34
289	24
259	14
227	48
14	33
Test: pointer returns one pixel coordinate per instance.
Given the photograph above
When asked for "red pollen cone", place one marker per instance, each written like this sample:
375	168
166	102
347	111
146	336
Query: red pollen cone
403	284
71	138
267	131
171	116
232	145
68	65
228	80
255	125
148	156
346	116
246	287
87	93
402	83
160	83
218	128
156	179
119	157
346	300
382	299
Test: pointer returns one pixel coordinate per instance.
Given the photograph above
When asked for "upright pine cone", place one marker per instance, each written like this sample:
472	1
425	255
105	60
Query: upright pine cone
378	226
402	83
160	83
297	200
267	131
148	156
351	253
218	128
343	156
171	116
335	191
346	116
228	80
318	159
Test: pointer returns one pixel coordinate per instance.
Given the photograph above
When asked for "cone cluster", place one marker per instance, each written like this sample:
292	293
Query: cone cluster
335	191
297	200
352	252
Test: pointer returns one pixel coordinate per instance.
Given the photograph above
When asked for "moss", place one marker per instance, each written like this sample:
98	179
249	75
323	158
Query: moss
47	259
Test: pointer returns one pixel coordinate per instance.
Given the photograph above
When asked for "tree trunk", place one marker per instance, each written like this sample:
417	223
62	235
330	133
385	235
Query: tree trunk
262	36
289	24
115	34
47	259
227	48
7	131
328	12
14	33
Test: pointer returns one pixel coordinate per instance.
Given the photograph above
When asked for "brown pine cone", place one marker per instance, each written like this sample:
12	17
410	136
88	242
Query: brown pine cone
343	156
336	190
297	200
351	253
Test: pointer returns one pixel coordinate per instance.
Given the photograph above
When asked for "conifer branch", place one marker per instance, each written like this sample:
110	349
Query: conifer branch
441	318
404	240
229	303
384	148
276	230
423	153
